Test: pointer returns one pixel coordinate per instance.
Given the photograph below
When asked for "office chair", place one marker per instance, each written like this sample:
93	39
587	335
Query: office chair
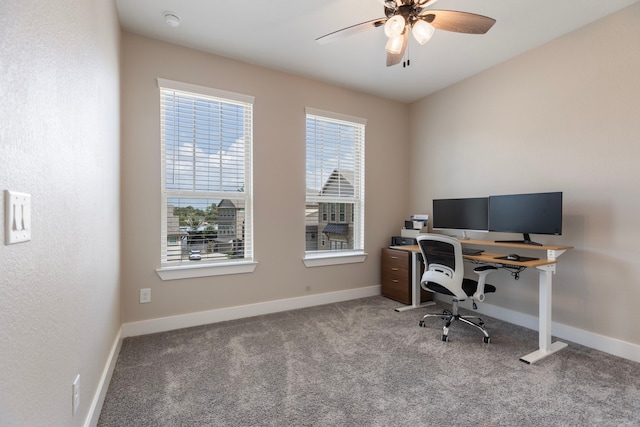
444	274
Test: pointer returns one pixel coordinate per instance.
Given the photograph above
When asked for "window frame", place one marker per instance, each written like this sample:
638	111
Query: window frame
357	254
247	264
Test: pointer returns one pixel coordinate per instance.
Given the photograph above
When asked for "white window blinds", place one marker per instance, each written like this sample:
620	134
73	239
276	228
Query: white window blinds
335	179
206	140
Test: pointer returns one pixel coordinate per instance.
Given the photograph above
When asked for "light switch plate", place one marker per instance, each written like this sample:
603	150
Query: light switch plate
17	217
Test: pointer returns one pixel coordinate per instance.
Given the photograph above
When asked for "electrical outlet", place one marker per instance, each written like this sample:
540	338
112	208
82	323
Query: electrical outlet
145	295
75	395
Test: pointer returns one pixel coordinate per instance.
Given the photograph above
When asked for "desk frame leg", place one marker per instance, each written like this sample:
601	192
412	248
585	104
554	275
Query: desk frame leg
546	348
415	286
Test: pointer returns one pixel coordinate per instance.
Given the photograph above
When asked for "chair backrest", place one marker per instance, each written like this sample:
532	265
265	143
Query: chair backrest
444	265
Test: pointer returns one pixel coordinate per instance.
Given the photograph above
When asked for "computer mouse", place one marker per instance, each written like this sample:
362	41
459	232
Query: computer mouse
513	257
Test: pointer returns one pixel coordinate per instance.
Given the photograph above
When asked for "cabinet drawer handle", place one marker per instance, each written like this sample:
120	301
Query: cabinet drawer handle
394	281
394	257
394	269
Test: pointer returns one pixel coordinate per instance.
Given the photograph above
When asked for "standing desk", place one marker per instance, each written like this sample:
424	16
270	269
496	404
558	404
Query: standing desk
545	266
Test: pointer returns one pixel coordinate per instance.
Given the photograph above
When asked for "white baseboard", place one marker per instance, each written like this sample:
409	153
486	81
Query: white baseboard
103	385
230	313
602	343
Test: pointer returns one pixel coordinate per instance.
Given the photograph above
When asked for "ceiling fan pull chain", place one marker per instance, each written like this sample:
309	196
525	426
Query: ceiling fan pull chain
407	61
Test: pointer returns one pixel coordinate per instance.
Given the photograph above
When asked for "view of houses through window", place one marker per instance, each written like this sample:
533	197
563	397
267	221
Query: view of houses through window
205	229
206	167
335	182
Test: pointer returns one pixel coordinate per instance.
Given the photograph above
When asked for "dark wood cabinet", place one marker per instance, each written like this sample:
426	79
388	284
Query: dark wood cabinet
396	276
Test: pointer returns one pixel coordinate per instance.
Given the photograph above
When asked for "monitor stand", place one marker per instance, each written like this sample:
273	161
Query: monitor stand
463	237
527	241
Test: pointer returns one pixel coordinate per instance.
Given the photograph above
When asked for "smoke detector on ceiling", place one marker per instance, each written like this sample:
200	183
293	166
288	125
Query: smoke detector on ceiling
172	19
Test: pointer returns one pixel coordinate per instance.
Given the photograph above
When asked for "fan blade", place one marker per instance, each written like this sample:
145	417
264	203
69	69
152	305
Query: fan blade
349	31
458	22
395	58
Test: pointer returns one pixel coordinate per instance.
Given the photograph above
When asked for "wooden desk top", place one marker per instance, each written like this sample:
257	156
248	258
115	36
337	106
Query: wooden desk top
514	245
491	257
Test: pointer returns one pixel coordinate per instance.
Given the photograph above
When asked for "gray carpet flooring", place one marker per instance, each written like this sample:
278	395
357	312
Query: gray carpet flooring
360	363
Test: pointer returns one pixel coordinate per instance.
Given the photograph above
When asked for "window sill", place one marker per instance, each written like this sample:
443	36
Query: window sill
192	271
326	258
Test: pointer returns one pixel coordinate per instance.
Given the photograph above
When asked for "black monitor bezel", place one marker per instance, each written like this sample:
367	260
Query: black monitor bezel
529	213
460	224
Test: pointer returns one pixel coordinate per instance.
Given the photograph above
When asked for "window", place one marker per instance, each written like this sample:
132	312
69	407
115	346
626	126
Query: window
335	185
206	140
337	245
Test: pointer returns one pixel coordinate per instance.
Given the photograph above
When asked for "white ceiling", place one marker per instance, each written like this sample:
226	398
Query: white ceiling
281	35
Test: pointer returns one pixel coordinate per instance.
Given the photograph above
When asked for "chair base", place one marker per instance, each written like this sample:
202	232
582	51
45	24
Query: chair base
452	316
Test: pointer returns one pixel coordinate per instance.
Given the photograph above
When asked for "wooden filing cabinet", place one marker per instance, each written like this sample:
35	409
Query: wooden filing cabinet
396	276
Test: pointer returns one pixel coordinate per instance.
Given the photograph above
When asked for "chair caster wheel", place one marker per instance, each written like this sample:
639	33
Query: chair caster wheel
487	340
445	338
421	323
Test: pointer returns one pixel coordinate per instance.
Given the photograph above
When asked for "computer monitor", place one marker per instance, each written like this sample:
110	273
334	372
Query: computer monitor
470	214
535	213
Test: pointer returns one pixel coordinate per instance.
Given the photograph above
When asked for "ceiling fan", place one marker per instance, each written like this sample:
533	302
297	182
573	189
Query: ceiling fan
405	16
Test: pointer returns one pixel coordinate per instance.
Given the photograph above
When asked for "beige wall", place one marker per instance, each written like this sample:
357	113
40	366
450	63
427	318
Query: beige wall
279	186
563	117
59	142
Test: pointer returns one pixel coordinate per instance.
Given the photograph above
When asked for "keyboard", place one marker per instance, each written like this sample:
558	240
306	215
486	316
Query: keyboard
468	251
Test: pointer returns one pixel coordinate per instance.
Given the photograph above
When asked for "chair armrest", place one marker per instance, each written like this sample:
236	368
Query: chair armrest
482	272
485	268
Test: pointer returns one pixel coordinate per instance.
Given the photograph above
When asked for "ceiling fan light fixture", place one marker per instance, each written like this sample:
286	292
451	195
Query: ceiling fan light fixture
394	44
394	26
422	31
416	16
